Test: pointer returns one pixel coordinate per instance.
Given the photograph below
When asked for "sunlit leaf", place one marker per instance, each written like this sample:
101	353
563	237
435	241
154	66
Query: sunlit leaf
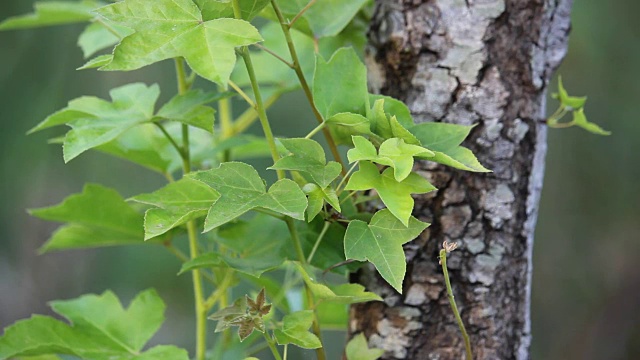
570	102
393	152
380	242
307	155
176	203
396	195
580	119
358	349
241	190
445	139
170	29
294	330
343	294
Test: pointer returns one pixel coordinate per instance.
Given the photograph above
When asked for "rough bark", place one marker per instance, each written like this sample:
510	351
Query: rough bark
485	62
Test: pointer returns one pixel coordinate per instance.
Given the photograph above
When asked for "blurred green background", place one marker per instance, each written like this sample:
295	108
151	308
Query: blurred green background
586	291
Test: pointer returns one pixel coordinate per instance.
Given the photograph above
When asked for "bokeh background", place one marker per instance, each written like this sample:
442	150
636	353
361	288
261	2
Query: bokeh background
586	294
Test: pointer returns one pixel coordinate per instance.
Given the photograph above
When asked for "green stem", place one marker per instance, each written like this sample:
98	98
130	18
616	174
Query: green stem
345	177
315	130
310	300
272	346
305	86
170	138
320	237
243	94
250	116
454	307
298	15
272	53
262	114
201	310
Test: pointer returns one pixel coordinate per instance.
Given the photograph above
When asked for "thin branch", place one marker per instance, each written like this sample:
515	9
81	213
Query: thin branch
298	15
241	92
270	52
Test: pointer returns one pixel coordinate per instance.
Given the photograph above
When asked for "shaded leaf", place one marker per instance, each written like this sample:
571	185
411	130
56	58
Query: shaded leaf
97	36
344	125
343	294
101	329
396	195
241	190
252	247
340	84
294	330
380	242
170	29
188	108
324	18
52	13
388	127
95	122
96	62
98	216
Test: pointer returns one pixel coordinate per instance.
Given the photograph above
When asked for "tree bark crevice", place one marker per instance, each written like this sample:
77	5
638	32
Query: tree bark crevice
484	62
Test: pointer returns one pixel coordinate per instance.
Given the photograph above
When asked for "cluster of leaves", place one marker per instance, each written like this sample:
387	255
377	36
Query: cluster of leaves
575	105
313	220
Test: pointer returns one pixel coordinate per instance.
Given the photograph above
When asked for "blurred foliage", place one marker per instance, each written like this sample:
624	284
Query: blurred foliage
586	275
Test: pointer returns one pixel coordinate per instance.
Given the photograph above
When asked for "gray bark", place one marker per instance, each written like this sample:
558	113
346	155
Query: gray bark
485	62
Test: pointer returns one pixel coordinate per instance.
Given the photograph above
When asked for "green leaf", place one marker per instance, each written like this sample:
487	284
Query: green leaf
96	62
324	18
97	36
177	203
101	329
214	9
270	70
571	102
95	122
396	195
396	108
358	349
241	190
317	197
445	139
170	29
439	136
389	127
253	247
580	119
188	108
97	217
344	125
294	330
394	152
144	145
52	13
380	242
309	157
343	294
340	84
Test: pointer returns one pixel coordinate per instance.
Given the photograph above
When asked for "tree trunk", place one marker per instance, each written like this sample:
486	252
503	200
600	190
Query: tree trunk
485	62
